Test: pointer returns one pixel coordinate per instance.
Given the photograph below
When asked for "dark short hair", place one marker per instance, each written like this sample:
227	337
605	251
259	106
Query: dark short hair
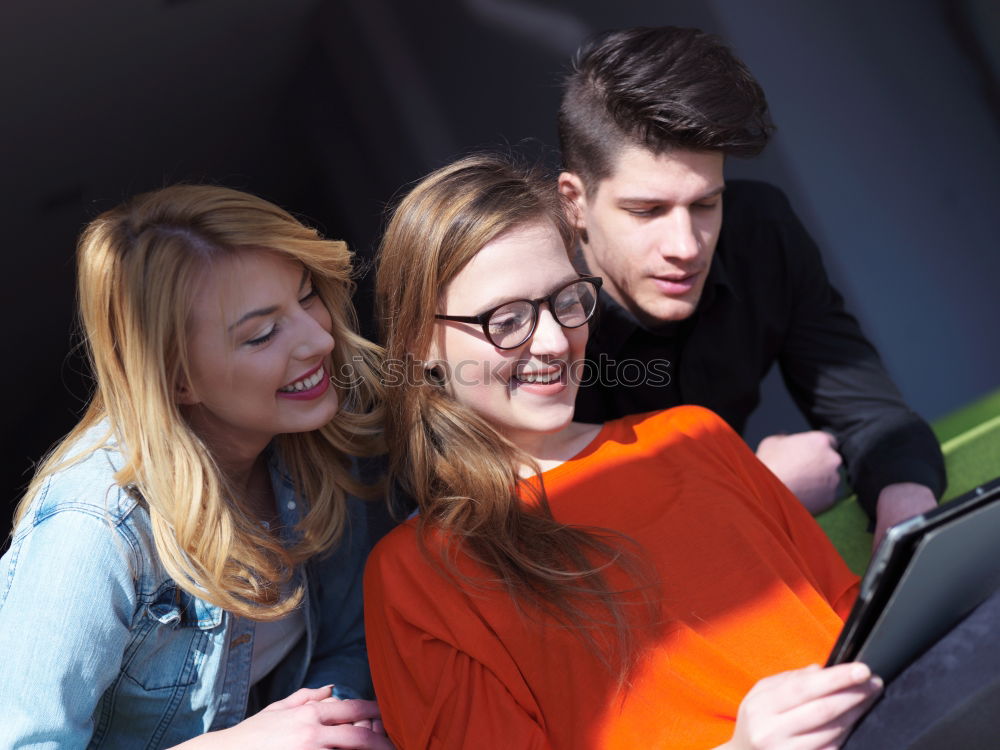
661	88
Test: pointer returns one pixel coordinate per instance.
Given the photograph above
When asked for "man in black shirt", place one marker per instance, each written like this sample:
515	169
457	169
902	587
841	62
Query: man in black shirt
697	305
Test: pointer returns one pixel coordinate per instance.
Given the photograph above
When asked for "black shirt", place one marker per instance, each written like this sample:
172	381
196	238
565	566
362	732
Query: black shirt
767	299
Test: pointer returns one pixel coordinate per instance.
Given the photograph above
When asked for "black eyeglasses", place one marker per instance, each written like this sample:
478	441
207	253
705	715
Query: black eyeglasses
509	325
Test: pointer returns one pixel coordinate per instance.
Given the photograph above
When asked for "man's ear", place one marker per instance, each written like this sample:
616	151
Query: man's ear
571	187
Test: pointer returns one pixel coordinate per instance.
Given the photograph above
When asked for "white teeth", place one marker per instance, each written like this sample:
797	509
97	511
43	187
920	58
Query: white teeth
535	377
305	384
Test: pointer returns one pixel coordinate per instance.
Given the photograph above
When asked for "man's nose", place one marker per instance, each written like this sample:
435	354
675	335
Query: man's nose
678	238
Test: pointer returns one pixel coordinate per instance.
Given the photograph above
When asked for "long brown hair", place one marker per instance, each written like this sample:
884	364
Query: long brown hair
463	474
136	266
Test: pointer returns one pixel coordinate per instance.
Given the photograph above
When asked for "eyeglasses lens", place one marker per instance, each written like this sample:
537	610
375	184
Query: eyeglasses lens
510	325
575	304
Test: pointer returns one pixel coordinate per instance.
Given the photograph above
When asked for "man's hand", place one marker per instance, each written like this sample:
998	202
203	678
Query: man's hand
896	503
808	464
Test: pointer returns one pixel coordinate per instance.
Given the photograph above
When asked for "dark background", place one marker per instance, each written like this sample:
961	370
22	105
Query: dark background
888	144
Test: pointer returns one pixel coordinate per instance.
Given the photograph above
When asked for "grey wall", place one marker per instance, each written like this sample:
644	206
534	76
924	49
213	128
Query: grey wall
887	144
892	152
99	101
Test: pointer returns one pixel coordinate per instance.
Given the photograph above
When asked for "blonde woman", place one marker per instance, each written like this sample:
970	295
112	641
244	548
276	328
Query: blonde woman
646	583
190	553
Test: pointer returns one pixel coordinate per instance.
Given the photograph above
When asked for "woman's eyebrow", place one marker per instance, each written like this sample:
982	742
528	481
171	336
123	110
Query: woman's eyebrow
258	313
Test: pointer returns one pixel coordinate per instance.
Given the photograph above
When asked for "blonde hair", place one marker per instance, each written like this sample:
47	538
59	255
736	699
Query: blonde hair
462	472
136	266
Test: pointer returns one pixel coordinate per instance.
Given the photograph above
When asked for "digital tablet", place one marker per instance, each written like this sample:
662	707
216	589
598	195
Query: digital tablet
928	573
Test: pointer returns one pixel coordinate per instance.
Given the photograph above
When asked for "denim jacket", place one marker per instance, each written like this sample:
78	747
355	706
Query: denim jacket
100	648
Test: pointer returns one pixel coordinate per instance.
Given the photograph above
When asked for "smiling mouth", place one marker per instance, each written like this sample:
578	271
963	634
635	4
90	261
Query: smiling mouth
549	376
304	384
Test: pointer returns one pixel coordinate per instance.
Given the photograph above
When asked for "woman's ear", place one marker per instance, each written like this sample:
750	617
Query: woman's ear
434	373
434	364
184	395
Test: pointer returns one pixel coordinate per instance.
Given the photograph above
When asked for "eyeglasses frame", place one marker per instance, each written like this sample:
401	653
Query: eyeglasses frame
483	318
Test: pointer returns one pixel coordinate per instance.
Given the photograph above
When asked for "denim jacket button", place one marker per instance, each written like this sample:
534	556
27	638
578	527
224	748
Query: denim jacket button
165	614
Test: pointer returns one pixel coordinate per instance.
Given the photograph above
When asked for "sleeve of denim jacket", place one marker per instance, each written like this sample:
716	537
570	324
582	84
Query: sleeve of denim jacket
340	657
66	602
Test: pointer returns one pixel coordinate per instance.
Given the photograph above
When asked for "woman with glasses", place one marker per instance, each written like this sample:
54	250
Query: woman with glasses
185	566
634	584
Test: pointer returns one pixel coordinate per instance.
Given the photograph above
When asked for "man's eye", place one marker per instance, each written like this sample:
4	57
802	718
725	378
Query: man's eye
706	206
644	212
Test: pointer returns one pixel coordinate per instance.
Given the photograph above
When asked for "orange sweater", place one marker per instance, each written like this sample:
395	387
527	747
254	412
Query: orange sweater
749	586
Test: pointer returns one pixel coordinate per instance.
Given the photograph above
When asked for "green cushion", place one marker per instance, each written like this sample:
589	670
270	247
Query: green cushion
846	524
969	416
972	458
970	442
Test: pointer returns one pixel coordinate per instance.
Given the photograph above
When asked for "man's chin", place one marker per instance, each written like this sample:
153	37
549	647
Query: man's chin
666	311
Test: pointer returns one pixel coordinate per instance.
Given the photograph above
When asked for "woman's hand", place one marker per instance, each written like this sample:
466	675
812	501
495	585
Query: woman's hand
805	709
308	719
371	709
